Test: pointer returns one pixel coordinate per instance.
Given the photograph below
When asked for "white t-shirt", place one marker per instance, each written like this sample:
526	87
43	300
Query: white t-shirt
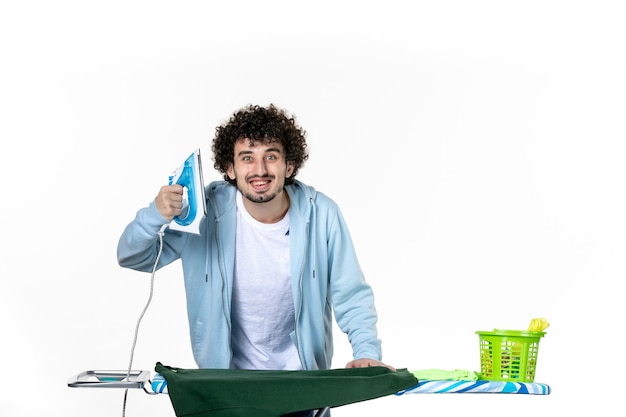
263	313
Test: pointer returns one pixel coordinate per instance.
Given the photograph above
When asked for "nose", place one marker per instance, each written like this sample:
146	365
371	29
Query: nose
260	167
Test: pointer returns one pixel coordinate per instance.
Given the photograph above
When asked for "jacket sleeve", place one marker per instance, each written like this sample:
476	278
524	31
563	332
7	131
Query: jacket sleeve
139	245
352	296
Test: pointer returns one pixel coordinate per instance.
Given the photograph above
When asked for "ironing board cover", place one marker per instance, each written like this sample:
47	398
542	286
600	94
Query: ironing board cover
241	393
479	386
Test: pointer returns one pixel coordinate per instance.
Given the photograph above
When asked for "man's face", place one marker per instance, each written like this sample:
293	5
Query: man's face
259	169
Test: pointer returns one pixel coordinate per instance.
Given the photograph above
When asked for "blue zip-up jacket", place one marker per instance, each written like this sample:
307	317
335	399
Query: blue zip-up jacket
325	275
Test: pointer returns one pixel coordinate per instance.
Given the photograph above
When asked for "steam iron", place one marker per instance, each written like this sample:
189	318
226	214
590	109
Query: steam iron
189	175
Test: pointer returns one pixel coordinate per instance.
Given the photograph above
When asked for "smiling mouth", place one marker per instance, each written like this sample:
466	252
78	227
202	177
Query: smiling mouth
260	185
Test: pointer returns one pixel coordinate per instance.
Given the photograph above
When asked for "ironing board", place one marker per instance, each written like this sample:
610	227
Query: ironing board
337	387
159	386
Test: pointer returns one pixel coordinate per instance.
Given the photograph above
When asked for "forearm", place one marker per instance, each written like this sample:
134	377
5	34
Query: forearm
138	245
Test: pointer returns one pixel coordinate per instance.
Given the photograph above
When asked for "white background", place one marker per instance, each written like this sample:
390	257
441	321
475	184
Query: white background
475	147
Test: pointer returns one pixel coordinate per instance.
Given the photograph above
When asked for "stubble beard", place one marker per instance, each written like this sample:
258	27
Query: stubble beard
261	198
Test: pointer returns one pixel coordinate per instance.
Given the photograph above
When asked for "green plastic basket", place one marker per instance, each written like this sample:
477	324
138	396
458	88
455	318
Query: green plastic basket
509	355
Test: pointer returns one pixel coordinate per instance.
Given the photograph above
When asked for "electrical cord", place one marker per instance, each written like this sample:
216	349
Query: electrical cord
143	312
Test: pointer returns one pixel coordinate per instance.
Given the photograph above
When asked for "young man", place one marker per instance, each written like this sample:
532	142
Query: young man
274	259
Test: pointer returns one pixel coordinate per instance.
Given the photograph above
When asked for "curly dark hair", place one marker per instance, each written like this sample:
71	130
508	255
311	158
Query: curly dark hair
265	124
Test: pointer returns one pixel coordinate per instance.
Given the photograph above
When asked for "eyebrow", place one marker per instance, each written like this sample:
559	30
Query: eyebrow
268	150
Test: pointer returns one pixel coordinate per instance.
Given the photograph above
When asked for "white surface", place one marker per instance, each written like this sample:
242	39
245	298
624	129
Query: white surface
476	148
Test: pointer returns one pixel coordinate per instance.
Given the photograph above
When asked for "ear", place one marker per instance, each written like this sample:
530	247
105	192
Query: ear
290	169
231	172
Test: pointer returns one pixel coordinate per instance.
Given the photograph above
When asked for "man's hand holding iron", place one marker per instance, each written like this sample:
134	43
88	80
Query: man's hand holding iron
169	201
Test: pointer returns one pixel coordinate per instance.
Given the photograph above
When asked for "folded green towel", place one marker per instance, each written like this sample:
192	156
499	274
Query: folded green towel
263	393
